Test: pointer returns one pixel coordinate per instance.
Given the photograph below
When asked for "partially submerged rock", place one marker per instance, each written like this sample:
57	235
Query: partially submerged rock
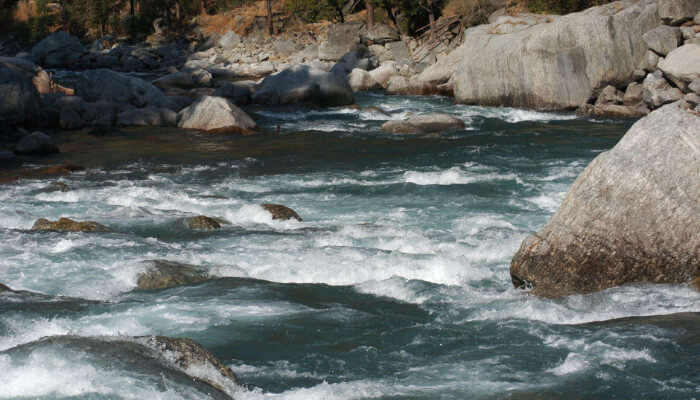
203	222
424	124
281	212
163	274
212	113
68	225
631	216
304	84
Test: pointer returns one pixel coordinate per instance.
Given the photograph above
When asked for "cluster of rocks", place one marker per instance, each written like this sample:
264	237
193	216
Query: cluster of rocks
669	70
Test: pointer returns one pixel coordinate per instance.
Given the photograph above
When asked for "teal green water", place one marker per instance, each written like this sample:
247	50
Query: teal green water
395	285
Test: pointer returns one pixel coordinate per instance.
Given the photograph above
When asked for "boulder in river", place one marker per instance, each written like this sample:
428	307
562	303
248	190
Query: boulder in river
281	212
211	113
59	49
553	62
20	101
68	225
682	65
36	143
238	92
361	80
163	274
304	84
147	116
631	216
424	124
105	84
202	222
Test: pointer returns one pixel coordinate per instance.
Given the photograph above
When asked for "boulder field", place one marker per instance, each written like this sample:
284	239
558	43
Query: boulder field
631	216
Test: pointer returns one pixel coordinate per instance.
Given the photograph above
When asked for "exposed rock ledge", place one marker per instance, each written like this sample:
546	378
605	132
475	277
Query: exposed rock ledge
631	216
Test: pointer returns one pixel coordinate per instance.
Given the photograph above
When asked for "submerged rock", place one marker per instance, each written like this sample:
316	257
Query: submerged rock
203	222
156	360
281	212
163	274
68	225
631	216
424	124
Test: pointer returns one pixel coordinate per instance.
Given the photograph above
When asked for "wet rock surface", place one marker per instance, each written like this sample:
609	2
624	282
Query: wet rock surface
163	274
68	225
281	212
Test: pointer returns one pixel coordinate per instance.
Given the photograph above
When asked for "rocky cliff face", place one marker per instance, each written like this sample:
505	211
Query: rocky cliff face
553	62
631	216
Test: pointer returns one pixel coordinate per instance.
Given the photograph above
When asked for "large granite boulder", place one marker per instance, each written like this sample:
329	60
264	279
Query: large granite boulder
360	80
553	62
424	124
59	49
105	84
163	274
211	113
663	39
304	84
380	34
20	101
631	216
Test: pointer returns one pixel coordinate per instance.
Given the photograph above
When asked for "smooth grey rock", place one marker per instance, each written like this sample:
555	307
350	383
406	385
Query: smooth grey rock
148	116
215	114
556	64
424	124
37	75
649	61
70	119
341	38
692	98
304	84
36	143
94	85
20	101
441	72
397	85
361	80
285	47
399	51
695	86
631	216
657	91
238	92
613	110
662	39
229	41
675	12
59	49
682	64
384	72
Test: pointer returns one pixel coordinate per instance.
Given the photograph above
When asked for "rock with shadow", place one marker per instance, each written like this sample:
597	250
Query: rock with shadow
304	84
68	225
281	212
424	124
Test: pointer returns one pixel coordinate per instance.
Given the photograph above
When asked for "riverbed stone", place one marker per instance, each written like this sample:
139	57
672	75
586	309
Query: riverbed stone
239	93
147	116
115	87
229	41
281	212
682	65
424	124
68	225
380	34
211	113
202	222
20	101
37	143
59	49
304	84
657	91
361	80
340	39
163	274
662	39
631	216
558	62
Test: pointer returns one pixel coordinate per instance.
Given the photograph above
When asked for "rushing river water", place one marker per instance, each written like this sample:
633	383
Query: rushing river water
394	286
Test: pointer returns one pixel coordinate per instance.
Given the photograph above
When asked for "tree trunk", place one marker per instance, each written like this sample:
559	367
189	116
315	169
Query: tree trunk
270	28
203	7
132	9
370	14
177	11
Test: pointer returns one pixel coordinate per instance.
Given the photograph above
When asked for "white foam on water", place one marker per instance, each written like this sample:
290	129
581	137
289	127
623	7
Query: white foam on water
513	115
255	214
574	363
453	176
363	389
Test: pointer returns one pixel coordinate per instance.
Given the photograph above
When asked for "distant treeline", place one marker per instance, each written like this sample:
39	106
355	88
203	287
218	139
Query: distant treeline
135	18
